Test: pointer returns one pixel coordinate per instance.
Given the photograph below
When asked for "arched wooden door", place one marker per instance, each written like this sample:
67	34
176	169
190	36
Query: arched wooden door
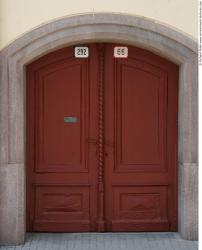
102	142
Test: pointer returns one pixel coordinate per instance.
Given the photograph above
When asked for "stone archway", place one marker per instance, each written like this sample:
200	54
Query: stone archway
101	27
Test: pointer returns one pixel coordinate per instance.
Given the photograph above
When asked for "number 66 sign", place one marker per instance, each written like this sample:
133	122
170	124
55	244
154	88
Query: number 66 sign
121	52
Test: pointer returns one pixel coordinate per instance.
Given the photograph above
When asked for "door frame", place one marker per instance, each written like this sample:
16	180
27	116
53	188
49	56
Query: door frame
91	28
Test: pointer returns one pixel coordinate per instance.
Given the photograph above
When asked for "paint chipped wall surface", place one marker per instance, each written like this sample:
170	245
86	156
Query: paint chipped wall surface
20	16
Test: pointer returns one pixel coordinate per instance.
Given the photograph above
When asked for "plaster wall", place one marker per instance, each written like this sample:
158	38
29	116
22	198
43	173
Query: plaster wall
19	16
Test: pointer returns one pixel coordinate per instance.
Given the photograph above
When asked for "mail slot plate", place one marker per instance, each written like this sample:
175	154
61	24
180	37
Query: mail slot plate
70	119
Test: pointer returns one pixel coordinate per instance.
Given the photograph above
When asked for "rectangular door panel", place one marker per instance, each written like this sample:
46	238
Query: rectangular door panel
62	205
140	110
140	205
62	145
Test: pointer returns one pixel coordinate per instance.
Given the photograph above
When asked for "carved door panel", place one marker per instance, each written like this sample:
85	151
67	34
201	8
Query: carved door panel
62	161
141	142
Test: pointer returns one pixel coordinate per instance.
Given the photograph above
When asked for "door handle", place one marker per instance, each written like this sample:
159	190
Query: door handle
95	142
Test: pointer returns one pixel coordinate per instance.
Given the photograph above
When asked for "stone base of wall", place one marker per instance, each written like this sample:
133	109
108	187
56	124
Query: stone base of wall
12	204
188	201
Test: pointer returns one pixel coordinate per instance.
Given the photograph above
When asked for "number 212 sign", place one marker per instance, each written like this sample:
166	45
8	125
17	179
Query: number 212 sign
81	52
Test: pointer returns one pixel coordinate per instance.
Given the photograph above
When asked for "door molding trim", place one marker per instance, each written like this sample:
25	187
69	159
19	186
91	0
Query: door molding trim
79	29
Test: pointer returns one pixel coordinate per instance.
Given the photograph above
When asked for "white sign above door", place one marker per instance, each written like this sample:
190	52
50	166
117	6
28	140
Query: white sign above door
81	52
120	52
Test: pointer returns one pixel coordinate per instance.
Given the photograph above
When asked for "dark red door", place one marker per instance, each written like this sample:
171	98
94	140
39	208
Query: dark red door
62	110
101	142
141	142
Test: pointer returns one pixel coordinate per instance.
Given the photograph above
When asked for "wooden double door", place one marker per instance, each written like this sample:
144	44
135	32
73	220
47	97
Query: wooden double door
102	142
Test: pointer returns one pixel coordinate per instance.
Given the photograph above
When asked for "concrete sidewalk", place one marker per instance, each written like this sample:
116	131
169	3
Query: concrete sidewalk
105	241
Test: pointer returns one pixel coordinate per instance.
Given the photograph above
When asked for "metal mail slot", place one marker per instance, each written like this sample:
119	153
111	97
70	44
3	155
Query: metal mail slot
70	119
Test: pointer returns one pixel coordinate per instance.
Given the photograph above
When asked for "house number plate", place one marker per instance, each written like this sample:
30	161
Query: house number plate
81	52
121	52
